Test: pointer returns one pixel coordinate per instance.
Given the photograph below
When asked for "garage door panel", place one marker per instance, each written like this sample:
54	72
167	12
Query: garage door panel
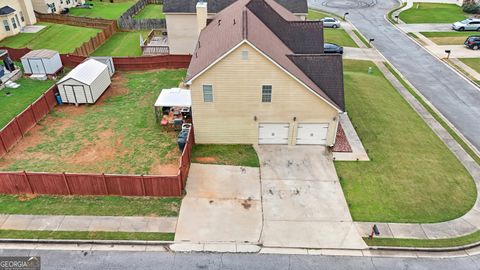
273	133
312	133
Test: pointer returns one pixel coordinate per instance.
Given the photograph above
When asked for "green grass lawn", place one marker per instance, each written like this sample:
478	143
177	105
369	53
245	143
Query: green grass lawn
59	37
84	235
102	9
119	134
472	62
20	98
225	154
122	44
362	38
89	205
425	243
314	14
447	38
339	37
151	11
412	176
433	13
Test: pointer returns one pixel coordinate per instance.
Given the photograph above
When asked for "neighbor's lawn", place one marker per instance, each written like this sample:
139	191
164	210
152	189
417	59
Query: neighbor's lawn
20	98
122	44
89	205
151	11
314	14
84	235
472	62
59	37
225	154
119	134
339	37
412	176
447	38
433	13
102	9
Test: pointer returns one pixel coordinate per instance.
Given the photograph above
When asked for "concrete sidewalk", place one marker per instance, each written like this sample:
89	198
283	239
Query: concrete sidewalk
88	223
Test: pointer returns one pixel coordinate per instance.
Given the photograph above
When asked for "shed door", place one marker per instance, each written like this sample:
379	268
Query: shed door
315	133
68	95
37	66
81	94
273	133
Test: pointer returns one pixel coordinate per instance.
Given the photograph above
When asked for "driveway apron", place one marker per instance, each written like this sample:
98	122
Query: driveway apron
303	202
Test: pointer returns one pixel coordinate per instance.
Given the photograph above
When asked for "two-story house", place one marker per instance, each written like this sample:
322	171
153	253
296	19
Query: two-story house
54	6
14	15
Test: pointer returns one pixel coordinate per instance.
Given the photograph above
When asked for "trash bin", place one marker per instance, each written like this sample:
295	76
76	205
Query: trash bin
182	139
58	98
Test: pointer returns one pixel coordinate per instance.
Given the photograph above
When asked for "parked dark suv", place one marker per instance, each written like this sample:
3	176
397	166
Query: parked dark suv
473	42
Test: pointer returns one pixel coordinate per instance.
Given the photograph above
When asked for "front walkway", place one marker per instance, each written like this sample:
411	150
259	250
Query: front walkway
88	223
302	200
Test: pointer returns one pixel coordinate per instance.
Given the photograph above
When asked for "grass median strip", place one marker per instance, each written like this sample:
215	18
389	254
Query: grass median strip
360	36
85	235
390	13
425	243
89	205
412	176
436	116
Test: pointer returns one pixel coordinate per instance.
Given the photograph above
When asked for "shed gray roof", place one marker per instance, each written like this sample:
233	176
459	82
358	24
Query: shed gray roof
215	6
5	10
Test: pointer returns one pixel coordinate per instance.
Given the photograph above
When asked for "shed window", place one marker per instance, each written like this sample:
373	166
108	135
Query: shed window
244	55
266	93
207	93
6	25
14	23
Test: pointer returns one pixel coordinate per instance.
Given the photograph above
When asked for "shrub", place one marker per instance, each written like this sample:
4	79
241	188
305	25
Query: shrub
471	8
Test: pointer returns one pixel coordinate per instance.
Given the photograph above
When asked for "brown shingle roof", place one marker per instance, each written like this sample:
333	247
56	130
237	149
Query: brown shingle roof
280	36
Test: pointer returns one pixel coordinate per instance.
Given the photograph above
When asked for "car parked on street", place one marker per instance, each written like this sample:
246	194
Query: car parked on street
470	24
332	48
330	22
473	42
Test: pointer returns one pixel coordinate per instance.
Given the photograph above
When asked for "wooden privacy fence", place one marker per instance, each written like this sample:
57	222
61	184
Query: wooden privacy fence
99	184
26	120
128	22
108	27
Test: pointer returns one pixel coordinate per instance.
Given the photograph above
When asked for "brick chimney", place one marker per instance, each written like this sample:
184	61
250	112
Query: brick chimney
201	15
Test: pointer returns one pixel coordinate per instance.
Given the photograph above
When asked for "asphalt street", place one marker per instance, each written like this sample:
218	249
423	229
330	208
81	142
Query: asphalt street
57	259
456	98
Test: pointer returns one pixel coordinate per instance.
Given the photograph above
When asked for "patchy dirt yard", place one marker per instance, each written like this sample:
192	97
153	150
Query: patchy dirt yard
118	134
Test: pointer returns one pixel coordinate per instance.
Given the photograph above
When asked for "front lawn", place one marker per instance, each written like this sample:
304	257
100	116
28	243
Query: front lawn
122	44
314	14
412	176
84	235
225	154
433	13
89	205
447	38
20	98
472	62
339	37
151	11
118	134
102	9
58	37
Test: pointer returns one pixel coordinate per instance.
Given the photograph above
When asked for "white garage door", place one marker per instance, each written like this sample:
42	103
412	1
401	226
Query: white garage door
312	133
273	133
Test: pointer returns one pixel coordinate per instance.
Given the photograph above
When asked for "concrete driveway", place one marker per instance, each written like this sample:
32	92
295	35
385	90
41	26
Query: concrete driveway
222	205
426	27
303	202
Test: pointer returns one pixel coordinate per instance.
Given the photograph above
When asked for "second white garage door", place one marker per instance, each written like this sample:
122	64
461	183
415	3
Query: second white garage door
273	133
312	133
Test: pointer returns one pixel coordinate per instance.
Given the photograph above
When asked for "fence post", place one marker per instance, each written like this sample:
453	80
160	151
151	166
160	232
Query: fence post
33	113
18	126
105	184
28	181
144	192
3	143
66	183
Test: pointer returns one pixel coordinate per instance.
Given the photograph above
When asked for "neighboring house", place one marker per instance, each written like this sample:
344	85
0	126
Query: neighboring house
54	6
185	17
14	15
259	75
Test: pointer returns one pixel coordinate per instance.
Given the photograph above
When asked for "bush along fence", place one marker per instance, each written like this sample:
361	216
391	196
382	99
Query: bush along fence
108	27
128	22
121	63
100	184
16	129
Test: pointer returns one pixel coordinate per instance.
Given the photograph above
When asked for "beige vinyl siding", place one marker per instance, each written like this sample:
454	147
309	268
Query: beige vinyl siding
237	94
182	32
23	6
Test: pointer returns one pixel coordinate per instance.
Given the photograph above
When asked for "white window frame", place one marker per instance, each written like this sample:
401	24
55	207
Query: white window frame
14	23
267	97
6	25
207	97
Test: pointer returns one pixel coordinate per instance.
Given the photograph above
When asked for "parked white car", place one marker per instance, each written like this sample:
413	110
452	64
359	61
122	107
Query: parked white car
330	22
468	25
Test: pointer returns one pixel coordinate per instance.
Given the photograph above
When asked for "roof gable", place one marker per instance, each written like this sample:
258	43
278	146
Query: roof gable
5	10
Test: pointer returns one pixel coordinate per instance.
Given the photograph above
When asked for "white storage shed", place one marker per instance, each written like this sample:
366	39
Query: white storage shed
42	62
85	83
